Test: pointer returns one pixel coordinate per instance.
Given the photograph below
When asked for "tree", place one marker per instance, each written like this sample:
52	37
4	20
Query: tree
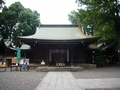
2	2
17	20
85	19
110	15
95	20
109	8
29	21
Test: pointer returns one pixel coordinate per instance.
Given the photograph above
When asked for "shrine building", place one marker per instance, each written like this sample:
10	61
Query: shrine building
53	43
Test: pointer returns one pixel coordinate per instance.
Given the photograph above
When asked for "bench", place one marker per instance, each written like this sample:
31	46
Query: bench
3	64
24	62
18	64
15	64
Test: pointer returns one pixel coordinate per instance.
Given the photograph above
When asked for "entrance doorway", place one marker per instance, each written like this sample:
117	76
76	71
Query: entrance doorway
58	55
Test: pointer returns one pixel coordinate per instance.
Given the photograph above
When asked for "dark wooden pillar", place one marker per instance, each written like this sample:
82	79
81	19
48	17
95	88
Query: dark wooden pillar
84	55
47	56
34	55
71	56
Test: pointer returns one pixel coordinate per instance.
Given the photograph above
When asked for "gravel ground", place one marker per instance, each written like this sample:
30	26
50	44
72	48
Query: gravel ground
103	72
17	80
24	80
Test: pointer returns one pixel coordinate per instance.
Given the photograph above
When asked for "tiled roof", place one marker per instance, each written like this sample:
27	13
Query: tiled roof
58	32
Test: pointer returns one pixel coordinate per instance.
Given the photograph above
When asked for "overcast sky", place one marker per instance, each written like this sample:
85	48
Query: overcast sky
51	11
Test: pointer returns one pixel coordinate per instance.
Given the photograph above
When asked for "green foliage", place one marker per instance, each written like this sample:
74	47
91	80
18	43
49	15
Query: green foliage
101	18
2	2
29	21
17	20
108	34
100	60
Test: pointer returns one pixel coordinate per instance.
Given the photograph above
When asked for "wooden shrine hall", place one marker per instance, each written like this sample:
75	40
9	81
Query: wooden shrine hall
59	43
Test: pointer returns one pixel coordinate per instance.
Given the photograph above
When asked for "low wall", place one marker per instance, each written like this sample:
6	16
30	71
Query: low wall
86	66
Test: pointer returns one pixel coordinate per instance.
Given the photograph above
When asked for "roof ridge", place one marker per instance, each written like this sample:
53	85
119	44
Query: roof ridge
58	25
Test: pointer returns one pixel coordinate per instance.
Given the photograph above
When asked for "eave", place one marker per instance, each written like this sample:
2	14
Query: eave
52	34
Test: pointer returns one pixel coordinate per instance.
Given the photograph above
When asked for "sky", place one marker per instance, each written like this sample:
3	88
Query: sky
51	11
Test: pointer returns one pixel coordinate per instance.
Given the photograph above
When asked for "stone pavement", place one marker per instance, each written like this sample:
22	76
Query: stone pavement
66	81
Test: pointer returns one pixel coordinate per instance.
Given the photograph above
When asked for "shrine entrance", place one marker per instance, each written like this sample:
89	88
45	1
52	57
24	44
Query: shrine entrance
58	56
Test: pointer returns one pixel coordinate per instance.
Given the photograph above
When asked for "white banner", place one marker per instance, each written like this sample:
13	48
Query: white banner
67	55
50	55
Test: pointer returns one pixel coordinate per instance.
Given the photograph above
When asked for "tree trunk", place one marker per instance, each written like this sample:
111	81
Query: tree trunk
117	27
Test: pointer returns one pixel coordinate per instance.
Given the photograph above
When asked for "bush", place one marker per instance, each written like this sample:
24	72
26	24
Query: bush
100	60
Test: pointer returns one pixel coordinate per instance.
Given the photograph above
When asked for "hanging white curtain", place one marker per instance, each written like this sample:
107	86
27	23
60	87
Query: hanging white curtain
67	55
50	55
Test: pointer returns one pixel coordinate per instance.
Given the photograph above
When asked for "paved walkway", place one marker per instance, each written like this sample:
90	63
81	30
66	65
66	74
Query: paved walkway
66	81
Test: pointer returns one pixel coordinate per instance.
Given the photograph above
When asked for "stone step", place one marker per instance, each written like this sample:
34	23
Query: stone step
59	69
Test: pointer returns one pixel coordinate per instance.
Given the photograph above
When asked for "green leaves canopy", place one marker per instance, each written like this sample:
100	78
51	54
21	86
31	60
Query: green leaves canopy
29	21
100	17
17	20
2	2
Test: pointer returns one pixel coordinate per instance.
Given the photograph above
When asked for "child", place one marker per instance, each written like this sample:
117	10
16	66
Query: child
24	66
22	62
